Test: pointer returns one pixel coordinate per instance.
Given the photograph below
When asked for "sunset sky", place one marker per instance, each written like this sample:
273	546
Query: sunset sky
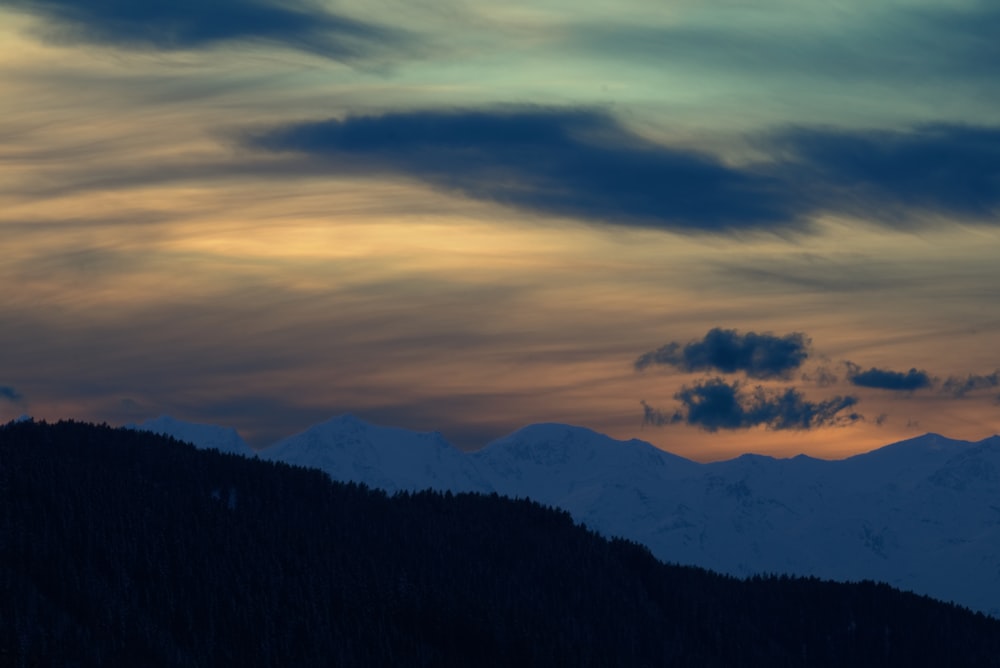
717	226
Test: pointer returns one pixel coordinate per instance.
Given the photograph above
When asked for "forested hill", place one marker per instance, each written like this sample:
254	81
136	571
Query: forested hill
123	548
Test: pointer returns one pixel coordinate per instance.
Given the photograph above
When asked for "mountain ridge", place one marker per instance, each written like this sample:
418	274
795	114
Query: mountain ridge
916	514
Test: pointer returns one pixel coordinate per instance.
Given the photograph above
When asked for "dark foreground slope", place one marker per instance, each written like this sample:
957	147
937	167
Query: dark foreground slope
124	548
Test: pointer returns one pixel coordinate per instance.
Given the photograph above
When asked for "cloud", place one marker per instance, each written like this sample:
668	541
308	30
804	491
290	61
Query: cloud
572	162
714	404
10	394
841	272
822	376
885	379
959	387
584	164
949	169
757	355
170	25
886	43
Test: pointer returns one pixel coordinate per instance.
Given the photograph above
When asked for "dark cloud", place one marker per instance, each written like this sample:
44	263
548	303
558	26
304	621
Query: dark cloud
757	355
573	162
582	163
10	394
714	404
195	24
888	380
950	169
959	387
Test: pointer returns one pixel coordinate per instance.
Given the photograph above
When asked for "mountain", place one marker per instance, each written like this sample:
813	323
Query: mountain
922	514
617	487
205	436
349	449
118	550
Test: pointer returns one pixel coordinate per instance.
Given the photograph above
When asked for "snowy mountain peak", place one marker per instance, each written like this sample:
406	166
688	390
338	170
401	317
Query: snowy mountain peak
753	458
547	438
552	462
929	442
345	420
913	453
349	449
203	436
552	442
349	424
548	430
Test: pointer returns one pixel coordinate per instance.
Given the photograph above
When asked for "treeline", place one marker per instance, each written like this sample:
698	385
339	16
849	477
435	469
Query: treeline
124	548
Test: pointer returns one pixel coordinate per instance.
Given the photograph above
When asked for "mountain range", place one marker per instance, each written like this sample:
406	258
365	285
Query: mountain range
921	515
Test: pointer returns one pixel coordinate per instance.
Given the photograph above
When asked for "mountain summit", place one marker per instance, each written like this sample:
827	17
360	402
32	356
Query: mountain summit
350	449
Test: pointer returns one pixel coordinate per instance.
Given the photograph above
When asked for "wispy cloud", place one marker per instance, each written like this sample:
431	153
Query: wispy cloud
763	355
196	24
959	387
715	404
583	163
823	376
864	42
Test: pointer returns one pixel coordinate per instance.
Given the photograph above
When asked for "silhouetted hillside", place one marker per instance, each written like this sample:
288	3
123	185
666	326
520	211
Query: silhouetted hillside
124	548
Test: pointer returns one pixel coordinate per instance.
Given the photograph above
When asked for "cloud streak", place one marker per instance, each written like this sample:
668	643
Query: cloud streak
170	25
871	42
569	162
950	169
584	164
715	404
761	355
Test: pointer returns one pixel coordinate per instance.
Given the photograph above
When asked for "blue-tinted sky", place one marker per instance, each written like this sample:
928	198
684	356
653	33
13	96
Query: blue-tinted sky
717	226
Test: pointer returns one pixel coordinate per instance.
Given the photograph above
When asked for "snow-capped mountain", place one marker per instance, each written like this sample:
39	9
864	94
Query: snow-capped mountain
604	483
204	436
349	449
922	514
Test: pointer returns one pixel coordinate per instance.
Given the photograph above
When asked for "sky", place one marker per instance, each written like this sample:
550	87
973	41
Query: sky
717	226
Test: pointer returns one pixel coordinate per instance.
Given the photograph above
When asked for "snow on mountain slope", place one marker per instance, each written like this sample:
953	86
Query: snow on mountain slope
921	515
554	461
616	487
954	525
349	449
203	436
